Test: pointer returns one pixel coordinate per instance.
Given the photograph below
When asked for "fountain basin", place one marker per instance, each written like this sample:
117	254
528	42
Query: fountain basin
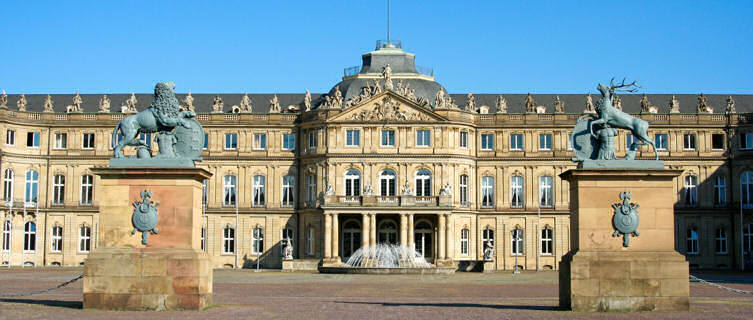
377	270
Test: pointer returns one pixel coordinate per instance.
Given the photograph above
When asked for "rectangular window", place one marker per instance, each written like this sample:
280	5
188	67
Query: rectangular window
692	241
660	141
487	141
546	241
58	189
388	138
487	192
203	239
464	190
720	241
516	190
312	139
487	236
717	141
570	141
230	184
464	139
688	141
84	239
311	189
517	242
32	139
310	241
260	141
288	141
6	235
720	191
258	198
10	137
288	187
629	141
464	235
206	141
286	238
746	141
228	240
352	138
257	241
57	239
87	189
87	141
423	138
545	192
118	138
516	141
691	190
545	141
231	141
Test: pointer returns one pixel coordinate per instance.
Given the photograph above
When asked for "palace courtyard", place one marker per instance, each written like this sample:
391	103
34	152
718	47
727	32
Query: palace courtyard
241	294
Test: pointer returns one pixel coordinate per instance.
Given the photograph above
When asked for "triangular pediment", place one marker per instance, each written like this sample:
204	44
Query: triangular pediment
387	107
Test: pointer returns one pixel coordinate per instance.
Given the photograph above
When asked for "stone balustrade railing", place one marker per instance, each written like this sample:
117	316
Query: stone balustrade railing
387	201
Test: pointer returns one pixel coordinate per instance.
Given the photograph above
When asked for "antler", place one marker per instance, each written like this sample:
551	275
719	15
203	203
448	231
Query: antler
631	87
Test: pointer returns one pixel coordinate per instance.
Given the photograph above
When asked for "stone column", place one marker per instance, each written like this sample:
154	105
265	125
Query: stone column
327	236
410	231
441	230
373	227
335	237
449	237
403	230
364	230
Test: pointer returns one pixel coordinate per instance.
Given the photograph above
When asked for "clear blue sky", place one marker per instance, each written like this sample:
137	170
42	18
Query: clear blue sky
290	46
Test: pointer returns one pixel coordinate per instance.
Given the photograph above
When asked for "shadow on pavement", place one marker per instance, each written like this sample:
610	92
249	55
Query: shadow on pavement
458	305
49	303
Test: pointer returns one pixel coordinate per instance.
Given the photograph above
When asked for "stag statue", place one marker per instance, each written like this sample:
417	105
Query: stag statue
593	137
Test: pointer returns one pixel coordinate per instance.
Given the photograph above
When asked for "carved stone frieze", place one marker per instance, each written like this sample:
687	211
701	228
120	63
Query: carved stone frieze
389	110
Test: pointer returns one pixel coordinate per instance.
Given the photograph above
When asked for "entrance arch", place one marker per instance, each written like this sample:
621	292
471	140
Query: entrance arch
422	238
387	232
351	238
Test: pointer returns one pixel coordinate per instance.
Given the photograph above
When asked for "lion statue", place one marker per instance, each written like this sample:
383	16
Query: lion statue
163	115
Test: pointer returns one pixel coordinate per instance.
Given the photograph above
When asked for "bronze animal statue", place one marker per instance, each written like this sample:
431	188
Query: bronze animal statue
163	115
611	117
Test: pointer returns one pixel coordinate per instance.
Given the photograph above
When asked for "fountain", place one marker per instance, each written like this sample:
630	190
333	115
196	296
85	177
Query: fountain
386	259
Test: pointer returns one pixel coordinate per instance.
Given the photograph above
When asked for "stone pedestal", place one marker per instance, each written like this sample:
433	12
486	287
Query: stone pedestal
489	266
168	273
599	273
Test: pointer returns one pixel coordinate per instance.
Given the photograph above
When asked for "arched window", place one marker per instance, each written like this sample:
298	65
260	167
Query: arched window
228	240
464	237
257	240
351	238
352	183
30	236
487	192
57	239
87	189
387	232
746	189
517	242
387	183
463	190
422	239
8	176
691	190
692	238
259	195
84	238
547	236
286	237
288	191
58	189
487	236
229	188
516	192
6	235
545	192
32	186
720	241
423	183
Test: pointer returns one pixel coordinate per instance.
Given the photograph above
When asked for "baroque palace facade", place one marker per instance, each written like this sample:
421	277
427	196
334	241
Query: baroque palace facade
387	156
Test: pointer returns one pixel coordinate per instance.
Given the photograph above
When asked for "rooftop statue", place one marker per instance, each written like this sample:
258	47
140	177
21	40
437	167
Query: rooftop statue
530	104
217	105
3	100
501	104
589	104
307	101
730	105
674	105
188	102
594	135
180	137
130	104
559	105
470	103
21	103
274	105
48	105
76	106
104	104
387	75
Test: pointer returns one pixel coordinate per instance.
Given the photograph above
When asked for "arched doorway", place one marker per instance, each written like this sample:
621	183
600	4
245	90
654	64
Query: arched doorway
351	238
387	232
422	238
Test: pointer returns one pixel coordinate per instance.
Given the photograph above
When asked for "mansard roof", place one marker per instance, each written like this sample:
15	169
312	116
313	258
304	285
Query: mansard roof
574	103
